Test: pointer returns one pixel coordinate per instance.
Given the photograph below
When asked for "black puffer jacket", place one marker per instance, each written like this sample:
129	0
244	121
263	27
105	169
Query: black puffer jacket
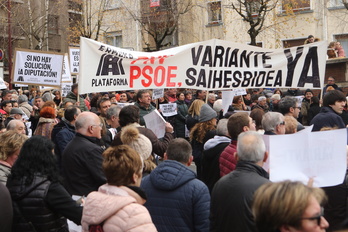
40	206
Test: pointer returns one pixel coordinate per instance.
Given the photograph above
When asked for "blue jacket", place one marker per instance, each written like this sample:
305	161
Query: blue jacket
177	201
327	118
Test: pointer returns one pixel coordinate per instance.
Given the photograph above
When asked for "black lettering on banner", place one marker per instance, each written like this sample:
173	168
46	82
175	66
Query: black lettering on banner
201	80
292	64
227	79
236	77
195	57
246	58
109	63
311	58
219	52
207	57
234	58
191	79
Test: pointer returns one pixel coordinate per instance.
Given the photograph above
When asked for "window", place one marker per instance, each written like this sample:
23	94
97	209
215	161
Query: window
295	5
53	24
335	3
214	12
113	4
343	39
114	39
253	7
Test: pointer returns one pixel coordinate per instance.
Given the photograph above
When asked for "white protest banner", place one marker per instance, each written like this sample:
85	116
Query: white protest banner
45	88
2	84
209	65
66	75
74	54
156	123
37	68
19	85
300	156
227	98
168	109
65	88
157	93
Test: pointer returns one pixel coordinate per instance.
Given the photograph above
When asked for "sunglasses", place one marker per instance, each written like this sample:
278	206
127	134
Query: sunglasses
317	218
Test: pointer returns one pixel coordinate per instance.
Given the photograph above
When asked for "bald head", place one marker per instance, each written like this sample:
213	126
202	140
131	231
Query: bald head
88	124
16	125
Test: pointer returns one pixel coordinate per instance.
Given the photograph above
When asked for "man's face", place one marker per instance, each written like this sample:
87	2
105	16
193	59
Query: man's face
20	128
8	107
296	111
145	99
202	94
96	128
263	102
7	97
252	125
330	81
172	92
104	106
18	116
309	221
338	106
38	103
211	100
115	122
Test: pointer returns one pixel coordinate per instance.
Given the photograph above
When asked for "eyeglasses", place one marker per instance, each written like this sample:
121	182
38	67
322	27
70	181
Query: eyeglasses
282	123
318	218
330	80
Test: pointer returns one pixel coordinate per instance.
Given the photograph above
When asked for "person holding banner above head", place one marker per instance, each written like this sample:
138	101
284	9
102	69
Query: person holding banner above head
144	104
72	96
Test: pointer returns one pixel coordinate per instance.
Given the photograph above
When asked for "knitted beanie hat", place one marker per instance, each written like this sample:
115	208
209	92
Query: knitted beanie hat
207	113
140	143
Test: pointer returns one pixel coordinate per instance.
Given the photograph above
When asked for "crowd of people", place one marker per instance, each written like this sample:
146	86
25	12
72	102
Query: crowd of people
97	147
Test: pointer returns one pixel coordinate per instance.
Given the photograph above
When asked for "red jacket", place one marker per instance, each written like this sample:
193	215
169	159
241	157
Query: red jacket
227	161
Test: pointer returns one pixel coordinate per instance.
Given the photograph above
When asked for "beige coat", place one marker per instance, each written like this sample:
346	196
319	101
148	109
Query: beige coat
120	208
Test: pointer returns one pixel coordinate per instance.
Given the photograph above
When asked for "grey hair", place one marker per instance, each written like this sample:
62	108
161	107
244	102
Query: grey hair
261	98
180	150
221	128
211	95
251	147
286	103
270	120
12	124
22	98
113	111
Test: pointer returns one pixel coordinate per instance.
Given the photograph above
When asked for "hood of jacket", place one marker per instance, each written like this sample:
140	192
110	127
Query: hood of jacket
215	141
43	120
170	175
109	199
19	189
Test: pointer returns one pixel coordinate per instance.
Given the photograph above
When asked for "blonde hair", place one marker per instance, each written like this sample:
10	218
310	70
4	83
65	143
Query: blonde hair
282	203
195	107
11	141
290	125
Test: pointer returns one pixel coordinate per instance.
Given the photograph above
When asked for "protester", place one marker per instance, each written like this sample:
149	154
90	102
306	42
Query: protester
290	124
180	118
117	205
232	195
129	116
289	206
11	143
72	96
237	123
289	106
329	116
314	109
211	154
201	133
177	201
193	113
46	122
24	105
144	104
6	212
273	123
40	202
82	159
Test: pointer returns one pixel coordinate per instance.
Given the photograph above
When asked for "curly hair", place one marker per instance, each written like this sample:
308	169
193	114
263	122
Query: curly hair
200	129
36	156
11	141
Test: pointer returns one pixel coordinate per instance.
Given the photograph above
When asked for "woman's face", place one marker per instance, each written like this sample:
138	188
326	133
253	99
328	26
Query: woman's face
123	97
309	95
189	96
113	100
181	97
